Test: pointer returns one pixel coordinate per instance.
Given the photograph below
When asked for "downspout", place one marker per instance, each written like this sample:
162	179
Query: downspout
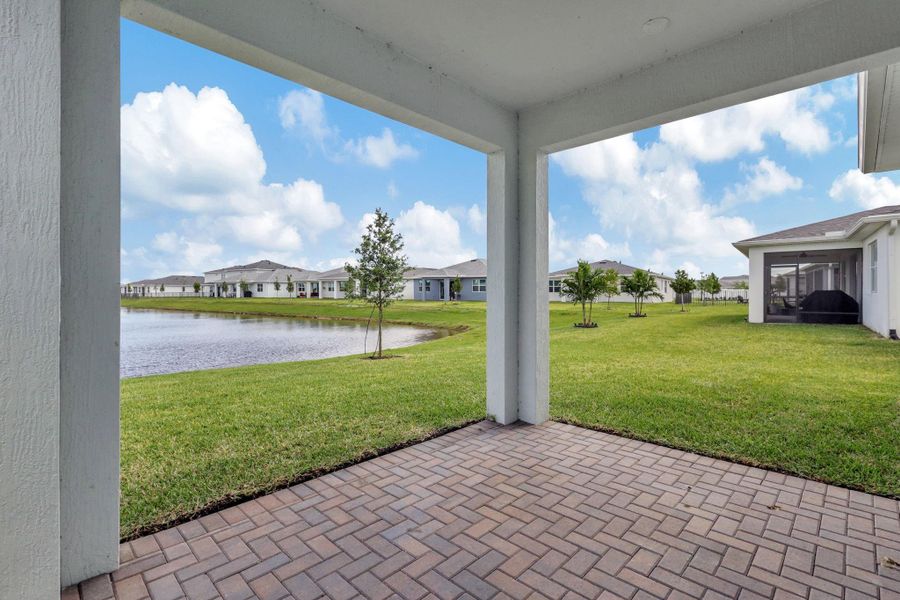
893	272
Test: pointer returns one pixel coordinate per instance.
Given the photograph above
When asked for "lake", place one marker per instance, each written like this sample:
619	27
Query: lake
158	341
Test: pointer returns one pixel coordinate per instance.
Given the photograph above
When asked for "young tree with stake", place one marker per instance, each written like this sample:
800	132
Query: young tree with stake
608	285
277	286
377	277
683	285
290	285
455	288
196	287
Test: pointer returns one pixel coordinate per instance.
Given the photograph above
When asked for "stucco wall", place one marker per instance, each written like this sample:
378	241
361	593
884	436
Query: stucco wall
875	304
30	51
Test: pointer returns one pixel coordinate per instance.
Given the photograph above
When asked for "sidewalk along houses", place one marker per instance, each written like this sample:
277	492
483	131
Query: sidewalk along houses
554	281
171	285
259	279
842	270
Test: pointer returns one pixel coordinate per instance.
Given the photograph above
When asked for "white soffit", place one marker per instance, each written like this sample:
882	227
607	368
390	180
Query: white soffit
879	119
521	53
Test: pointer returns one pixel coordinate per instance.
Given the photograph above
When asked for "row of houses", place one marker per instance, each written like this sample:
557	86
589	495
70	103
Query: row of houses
260	279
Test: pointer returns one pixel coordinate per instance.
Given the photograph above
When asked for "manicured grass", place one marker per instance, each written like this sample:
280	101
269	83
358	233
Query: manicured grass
817	401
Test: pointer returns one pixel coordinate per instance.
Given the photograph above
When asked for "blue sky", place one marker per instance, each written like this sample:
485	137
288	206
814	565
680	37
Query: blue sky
223	163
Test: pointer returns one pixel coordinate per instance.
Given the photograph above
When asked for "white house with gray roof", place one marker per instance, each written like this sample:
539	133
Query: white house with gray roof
260	278
170	285
842	270
554	281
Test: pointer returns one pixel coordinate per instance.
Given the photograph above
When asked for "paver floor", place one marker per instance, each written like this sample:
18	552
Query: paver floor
549	511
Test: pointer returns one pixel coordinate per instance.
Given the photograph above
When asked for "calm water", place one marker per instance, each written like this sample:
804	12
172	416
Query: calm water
156	341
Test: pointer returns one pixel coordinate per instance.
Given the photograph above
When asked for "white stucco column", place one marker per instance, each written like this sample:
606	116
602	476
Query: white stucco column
59	371
534	311
89	274
30	57
518	318
503	287
756	293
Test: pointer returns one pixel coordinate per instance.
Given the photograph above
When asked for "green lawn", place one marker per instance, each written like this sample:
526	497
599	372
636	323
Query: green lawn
817	401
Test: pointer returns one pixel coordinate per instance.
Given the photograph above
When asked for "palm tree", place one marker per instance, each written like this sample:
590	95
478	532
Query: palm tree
640	286
582	287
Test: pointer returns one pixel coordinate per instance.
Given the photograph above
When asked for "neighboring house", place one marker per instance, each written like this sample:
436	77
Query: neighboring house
172	285
260	278
843	270
333	283
730	289
434	284
662	281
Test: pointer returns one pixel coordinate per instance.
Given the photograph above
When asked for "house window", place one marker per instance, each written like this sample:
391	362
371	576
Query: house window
329	287
873	265
427	285
342	286
182	288
301	287
479	285
554	286
259	287
665	285
420	285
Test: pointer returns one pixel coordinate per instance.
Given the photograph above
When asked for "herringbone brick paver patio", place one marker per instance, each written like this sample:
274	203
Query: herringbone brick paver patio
550	511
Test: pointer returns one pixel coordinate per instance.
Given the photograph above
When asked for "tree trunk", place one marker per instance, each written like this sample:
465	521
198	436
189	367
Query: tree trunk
583	314
379	330
681	298
608	307
591	312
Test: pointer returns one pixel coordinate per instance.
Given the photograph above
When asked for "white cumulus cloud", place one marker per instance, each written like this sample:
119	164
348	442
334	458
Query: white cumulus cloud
765	178
195	153
303	111
793	116
432	237
477	219
866	190
565	251
380	151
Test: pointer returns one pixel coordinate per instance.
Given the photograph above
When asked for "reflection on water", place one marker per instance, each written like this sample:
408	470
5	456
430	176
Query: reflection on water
156	341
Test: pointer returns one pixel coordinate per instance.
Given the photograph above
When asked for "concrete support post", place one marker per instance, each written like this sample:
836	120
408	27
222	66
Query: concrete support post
503	287
89	277
518	319
534	315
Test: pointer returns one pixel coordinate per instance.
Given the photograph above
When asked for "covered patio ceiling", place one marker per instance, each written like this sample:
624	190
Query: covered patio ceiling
522	53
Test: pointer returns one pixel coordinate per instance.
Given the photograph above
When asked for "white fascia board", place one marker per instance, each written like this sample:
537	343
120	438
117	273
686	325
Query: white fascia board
798	245
827	40
845	236
298	40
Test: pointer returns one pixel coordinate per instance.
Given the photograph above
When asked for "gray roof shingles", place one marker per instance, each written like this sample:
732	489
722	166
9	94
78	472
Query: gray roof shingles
820	228
621	269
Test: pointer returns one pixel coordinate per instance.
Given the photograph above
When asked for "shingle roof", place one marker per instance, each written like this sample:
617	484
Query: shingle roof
621	269
334	274
731	280
186	280
477	267
259	265
821	228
